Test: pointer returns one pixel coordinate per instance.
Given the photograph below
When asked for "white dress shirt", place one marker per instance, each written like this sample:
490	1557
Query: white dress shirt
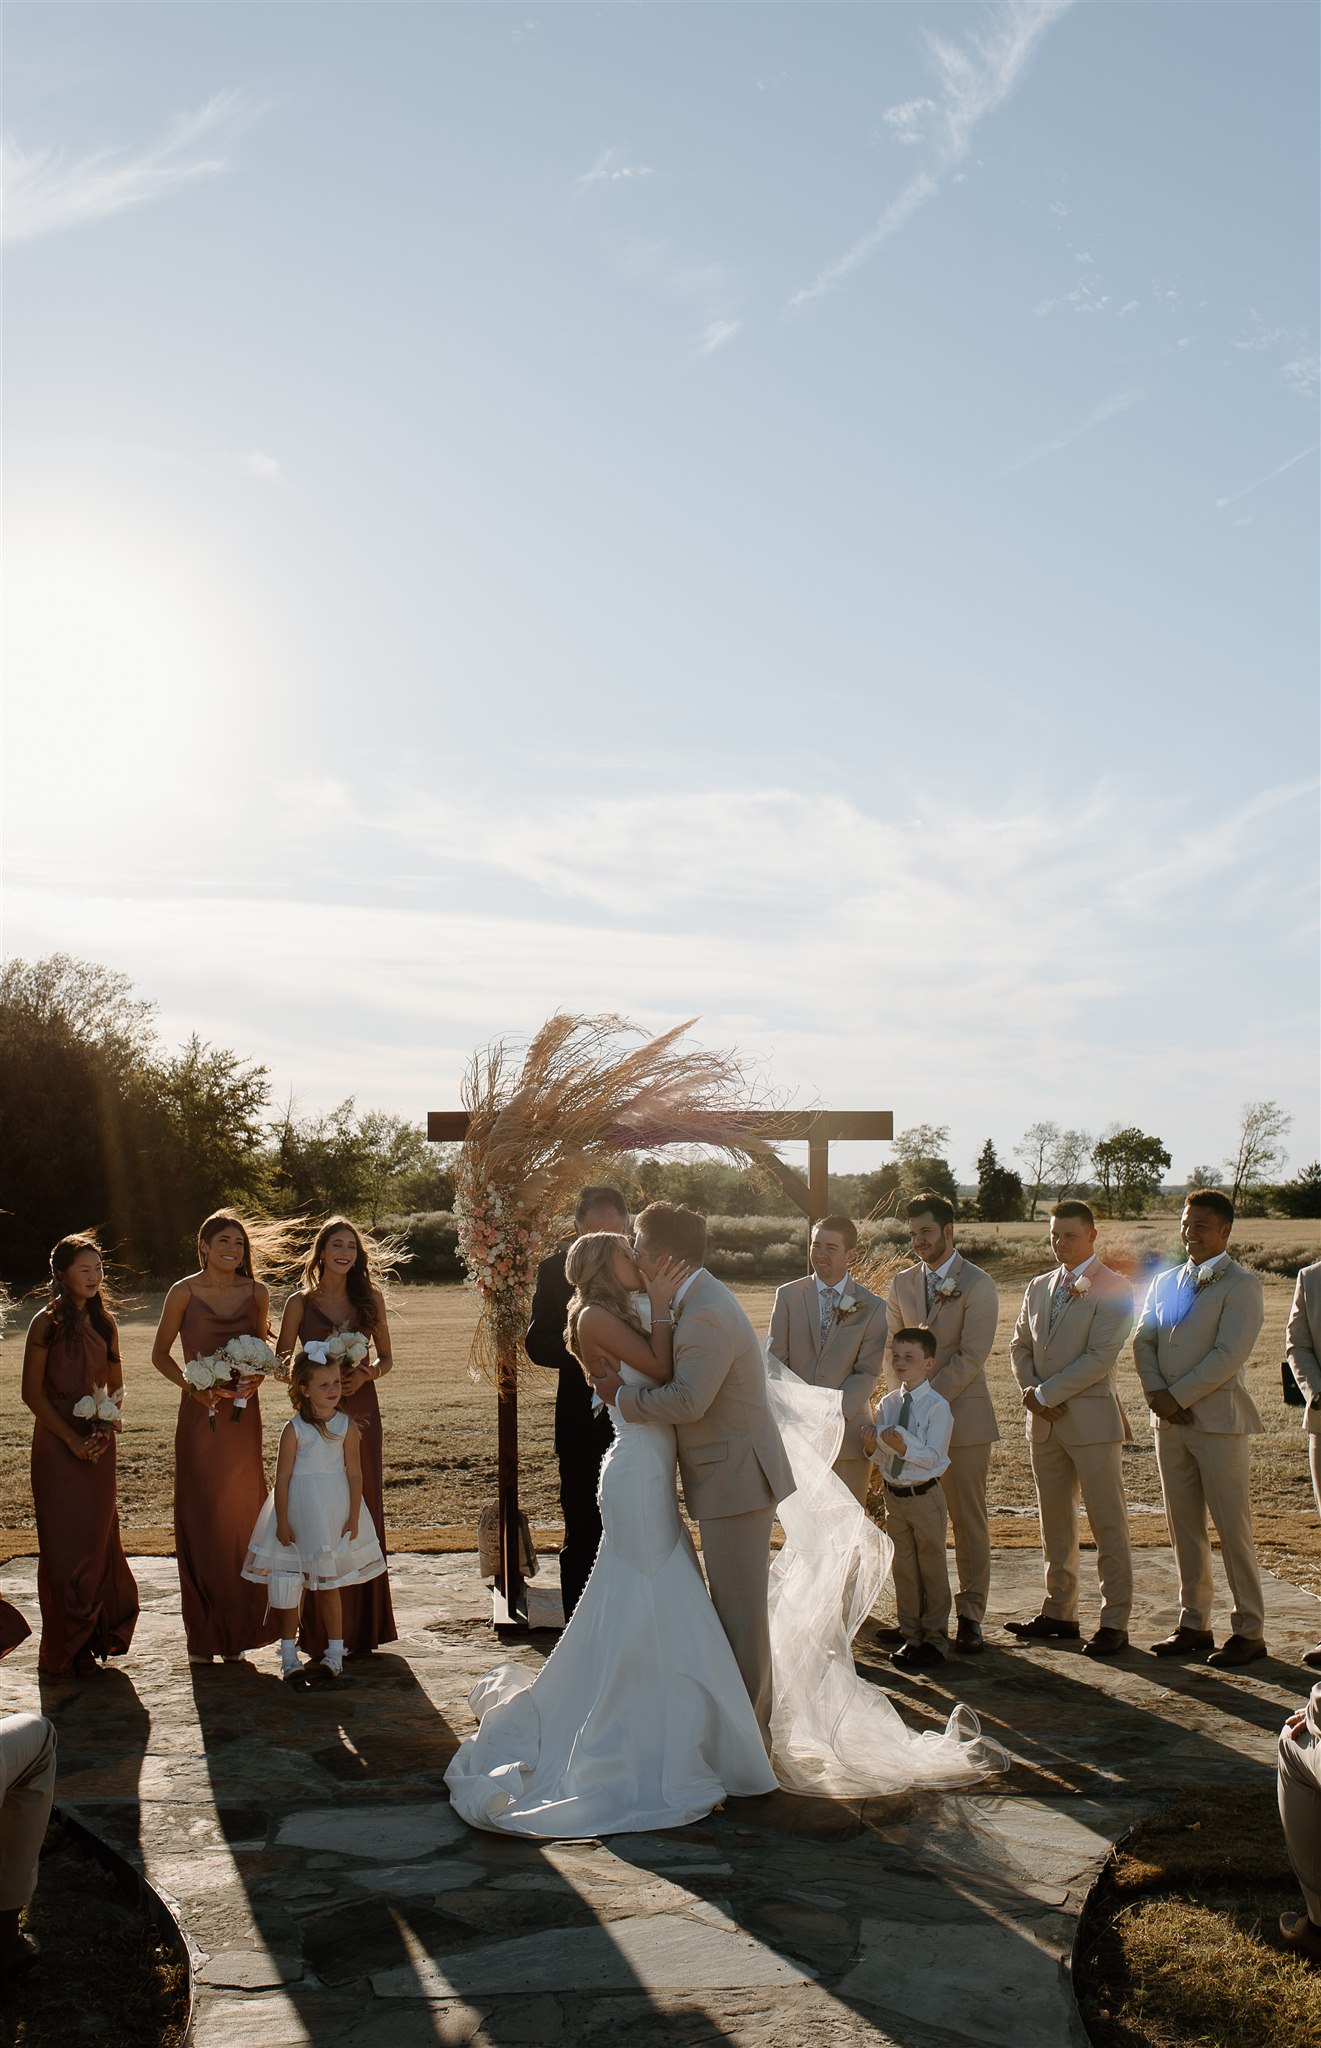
926	1435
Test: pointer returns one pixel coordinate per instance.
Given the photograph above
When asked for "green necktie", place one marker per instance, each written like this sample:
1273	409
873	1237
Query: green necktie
905	1410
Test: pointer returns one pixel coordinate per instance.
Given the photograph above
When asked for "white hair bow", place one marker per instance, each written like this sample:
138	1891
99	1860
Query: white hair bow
317	1351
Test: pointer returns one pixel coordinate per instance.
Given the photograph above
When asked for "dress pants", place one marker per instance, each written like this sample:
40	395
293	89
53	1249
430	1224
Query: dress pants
1200	1471
27	1786
736	1550
915	1523
580	1476
1298	1779
1314	1461
1061	1472
964	1484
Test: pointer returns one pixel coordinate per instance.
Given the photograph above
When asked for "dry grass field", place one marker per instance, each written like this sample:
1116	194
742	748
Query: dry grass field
440	1428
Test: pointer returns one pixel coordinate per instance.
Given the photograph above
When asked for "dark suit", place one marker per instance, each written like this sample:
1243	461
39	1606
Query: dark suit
581	1437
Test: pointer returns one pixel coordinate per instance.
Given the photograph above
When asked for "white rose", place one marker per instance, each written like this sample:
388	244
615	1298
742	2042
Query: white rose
1082	1285
107	1408
198	1374
85	1410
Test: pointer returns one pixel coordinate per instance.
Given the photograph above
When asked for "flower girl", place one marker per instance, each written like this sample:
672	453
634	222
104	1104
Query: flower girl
314	1531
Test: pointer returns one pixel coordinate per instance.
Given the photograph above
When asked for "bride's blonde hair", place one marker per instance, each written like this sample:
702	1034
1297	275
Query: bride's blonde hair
590	1268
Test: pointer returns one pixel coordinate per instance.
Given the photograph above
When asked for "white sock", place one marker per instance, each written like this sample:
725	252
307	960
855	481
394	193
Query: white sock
288	1654
335	1653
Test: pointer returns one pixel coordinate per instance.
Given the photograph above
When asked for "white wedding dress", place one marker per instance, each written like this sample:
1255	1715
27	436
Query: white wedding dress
639	1719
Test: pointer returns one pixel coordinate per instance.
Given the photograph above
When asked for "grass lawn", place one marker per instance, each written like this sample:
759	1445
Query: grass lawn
440	1427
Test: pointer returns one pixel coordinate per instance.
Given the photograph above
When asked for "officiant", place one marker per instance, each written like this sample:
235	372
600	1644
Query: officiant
582	1437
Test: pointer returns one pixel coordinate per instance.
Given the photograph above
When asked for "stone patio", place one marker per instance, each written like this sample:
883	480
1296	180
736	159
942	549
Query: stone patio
330	1897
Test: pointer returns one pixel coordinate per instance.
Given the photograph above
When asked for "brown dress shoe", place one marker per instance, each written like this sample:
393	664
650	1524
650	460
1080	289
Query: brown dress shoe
1313	1656
1107	1642
1298	1933
1236	1650
968	1637
1184	1642
1044	1627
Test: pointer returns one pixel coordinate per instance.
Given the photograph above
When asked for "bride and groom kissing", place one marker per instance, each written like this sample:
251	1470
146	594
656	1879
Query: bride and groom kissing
661	1699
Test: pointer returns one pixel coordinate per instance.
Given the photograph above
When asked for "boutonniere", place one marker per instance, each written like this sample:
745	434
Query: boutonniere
949	1289
1077	1288
1205	1279
847	1305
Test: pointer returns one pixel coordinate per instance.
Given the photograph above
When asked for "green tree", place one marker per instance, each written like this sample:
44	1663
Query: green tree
919	1159
1301	1196
1128	1167
999	1189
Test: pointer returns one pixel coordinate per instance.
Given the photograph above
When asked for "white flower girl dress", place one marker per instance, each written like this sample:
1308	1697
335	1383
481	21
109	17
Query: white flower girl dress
320	1557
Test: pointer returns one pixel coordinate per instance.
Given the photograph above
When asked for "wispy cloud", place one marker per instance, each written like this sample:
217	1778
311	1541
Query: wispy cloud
1269	478
1303	375
609	170
44	193
974	77
264	469
716	335
1120	402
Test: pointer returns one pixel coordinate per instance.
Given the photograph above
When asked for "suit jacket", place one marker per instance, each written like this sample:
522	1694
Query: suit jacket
851	1358
964	1330
578	1427
1200	1359
1075	1366
731	1458
1302	1342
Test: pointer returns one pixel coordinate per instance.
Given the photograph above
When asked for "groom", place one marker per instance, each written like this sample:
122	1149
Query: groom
731	1459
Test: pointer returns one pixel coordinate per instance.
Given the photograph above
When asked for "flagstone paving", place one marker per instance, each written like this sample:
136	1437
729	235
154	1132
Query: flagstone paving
331	1899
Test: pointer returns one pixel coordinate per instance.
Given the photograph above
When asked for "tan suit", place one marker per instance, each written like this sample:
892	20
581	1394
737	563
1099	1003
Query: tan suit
851	1358
964	1329
1197	1349
1075	1366
731	1461
1302	1348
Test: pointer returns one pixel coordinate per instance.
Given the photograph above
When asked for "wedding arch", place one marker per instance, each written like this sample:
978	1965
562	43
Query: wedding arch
537	1124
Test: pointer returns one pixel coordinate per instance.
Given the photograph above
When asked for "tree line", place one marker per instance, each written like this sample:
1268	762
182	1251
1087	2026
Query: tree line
101	1125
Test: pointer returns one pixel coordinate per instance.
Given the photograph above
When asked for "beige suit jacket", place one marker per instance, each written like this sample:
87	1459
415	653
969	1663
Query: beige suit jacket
731	1458
1075	1366
1200	1360
964	1329
851	1358
1302	1342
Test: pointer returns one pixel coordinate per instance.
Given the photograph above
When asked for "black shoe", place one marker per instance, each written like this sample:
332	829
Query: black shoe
1313	1656
1042	1627
19	1952
968	1638
1237	1650
1107	1642
917	1657
1184	1642
888	1635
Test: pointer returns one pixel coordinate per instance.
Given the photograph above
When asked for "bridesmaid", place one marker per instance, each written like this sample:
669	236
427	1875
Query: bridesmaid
340	1291
219	1478
89	1601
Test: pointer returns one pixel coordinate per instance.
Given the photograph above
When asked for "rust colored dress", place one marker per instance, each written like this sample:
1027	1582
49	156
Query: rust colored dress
219	1491
368	1614
13	1627
89	1599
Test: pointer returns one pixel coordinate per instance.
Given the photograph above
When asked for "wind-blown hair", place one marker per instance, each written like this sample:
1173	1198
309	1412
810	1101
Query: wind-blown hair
589	1266
267	1246
60	1305
370	1269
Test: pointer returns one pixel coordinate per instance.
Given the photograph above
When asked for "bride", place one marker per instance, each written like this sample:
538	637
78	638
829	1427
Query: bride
639	1719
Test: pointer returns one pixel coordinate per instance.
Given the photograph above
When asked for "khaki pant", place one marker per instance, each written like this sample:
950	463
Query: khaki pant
964	1484
27	1786
736	1550
1314	1460
1200	1472
1298	1781
1062	1472
915	1524
856	1474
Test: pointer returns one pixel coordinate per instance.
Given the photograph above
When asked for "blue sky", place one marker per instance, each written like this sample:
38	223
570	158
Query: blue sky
798	515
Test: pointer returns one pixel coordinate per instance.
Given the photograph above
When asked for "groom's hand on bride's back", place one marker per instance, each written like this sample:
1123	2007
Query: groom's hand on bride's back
606	1382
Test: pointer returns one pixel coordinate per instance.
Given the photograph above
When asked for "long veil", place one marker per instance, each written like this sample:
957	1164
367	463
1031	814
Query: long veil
833	1733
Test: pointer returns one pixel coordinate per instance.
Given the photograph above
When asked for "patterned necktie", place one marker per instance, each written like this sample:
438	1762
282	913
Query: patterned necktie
829	1303
905	1410
931	1289
1059	1300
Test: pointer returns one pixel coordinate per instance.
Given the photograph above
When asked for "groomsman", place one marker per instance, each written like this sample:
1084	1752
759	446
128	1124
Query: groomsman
583	1435
830	1330
1065	1356
1302	1348
944	1293
1198	1326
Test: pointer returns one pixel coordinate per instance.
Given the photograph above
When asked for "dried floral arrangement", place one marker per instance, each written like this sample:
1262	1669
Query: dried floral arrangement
585	1091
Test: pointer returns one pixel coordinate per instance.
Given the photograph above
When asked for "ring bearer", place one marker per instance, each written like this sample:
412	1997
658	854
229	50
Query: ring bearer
954	1299
1195	1335
830	1330
1065	1356
909	1443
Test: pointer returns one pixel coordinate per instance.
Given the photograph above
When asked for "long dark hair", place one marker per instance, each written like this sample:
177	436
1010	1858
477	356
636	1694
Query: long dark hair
64	1311
362	1278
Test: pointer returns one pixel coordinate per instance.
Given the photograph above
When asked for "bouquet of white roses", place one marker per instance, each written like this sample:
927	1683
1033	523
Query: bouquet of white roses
100	1407
347	1349
252	1358
204	1374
